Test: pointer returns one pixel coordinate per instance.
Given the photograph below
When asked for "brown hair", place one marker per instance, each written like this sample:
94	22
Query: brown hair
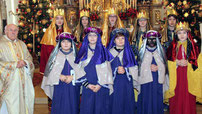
119	34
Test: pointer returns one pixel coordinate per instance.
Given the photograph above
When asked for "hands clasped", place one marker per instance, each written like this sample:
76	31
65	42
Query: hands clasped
121	70
154	68
21	64
182	62
94	88
67	79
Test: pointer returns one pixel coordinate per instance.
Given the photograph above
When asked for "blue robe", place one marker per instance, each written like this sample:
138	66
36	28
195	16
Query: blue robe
66	96
150	99
122	99
91	102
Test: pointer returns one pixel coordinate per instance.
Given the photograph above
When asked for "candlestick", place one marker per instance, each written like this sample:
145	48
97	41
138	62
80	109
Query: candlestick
130	3
135	4
127	3
84	4
91	5
87	4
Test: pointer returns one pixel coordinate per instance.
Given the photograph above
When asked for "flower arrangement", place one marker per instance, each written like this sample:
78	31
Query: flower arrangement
123	16
131	12
94	16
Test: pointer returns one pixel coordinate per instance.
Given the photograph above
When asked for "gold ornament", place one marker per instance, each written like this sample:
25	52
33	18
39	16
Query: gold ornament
25	36
192	11
179	3
24	1
39	12
200	14
44	21
182	26
29	45
21	24
28	10
142	14
34	1
60	12
186	6
84	13
184	2
196	31
172	4
186	14
165	3
40	5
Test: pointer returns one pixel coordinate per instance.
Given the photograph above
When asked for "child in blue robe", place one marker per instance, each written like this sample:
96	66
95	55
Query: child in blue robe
125	73
60	76
97	83
152	77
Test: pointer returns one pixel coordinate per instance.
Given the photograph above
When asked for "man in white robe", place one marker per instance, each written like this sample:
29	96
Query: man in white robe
16	70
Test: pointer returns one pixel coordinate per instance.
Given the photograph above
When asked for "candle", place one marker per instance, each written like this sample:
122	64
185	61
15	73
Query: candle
130	3
127	3
84	3
91	5
135	4
80	4
87	4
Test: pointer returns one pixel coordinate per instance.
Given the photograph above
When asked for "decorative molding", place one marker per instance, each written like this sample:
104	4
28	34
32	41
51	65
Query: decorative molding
155	15
11	6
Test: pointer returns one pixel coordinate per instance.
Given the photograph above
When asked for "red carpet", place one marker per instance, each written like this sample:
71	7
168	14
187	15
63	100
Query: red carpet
37	79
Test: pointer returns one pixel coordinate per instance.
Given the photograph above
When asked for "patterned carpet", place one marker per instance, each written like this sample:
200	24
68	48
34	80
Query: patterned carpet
37	78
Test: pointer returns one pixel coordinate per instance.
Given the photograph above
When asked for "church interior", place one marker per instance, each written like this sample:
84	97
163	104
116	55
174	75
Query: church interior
33	17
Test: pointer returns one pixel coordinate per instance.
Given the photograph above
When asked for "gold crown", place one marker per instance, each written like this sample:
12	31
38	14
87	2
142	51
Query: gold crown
112	11
182	26
84	13
59	12
171	10
142	14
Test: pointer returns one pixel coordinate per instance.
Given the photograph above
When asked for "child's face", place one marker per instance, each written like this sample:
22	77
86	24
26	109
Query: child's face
112	19
92	38
182	35
66	45
84	21
59	20
172	21
120	41
151	42
142	22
